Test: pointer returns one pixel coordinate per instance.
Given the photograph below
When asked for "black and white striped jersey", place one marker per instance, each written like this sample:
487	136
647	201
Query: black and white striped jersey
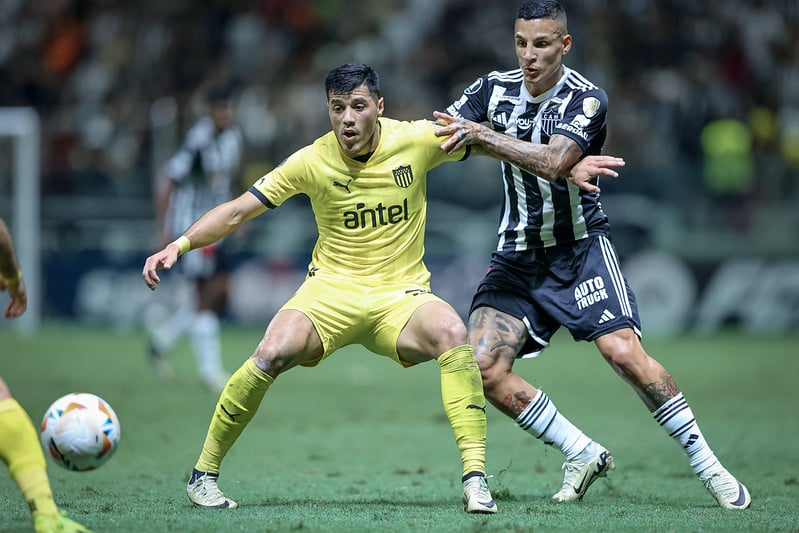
204	169
538	213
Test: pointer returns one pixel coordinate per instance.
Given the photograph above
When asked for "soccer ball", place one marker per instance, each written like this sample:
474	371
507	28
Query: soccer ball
80	431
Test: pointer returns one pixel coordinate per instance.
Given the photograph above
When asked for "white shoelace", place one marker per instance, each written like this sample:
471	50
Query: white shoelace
572	468
724	484
209	490
480	483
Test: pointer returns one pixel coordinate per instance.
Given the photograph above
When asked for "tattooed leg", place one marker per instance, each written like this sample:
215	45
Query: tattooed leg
623	351
660	392
497	339
671	410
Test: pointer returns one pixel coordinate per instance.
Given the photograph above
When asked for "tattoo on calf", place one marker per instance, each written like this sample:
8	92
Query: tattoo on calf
662	392
517	402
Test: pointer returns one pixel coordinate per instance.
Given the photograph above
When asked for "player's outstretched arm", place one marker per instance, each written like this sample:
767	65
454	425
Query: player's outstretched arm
212	226
550	161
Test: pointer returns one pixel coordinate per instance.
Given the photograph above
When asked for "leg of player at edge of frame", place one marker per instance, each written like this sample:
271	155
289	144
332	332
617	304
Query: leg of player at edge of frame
22	453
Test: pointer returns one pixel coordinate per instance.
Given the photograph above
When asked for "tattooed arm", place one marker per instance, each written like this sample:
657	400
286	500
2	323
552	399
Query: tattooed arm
561	157
548	161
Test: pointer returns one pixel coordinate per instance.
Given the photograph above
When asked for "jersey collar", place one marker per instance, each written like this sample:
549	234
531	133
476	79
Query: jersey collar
543	97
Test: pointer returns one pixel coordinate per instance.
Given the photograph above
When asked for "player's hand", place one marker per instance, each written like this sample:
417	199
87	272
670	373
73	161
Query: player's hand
19	297
592	166
163	260
459	131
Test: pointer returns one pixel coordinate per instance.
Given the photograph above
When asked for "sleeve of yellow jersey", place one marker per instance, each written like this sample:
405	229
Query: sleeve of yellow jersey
434	152
283	182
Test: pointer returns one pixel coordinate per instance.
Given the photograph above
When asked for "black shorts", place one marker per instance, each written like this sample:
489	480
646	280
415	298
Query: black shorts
578	285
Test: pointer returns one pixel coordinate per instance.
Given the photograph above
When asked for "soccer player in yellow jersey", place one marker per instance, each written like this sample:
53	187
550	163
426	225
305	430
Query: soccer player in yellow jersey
19	442
367	283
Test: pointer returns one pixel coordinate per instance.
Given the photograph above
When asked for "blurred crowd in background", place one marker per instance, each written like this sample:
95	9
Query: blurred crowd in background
704	100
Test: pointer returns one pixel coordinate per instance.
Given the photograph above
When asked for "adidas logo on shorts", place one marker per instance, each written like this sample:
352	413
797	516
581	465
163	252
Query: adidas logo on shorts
606	315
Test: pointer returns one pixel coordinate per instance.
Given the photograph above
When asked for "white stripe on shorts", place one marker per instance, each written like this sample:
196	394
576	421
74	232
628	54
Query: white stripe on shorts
614	269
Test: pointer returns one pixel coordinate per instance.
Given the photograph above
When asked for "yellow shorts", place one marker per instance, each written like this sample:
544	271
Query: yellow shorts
346	311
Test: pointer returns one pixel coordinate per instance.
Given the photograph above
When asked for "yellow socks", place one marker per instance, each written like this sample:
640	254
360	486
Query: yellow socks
465	405
21	450
236	406
461	393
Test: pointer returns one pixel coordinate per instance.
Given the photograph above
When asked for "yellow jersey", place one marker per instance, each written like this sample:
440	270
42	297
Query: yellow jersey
371	215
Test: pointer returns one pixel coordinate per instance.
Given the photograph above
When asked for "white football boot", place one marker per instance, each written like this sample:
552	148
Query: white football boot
580	475
204	492
728	491
476	496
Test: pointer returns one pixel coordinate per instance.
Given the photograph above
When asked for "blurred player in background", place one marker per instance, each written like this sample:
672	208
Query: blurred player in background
20	449
555	264
202	174
366	284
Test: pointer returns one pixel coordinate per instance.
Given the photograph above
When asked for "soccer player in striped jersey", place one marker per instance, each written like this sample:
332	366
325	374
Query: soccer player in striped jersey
555	264
20	449
367	282
200	175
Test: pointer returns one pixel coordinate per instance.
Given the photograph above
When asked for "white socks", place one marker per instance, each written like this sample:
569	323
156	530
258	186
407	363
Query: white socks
168	332
203	328
542	420
207	345
677	419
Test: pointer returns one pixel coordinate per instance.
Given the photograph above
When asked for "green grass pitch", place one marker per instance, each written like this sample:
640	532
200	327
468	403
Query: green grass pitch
359	444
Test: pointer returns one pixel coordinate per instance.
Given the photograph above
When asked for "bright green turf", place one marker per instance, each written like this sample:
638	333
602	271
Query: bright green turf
359	444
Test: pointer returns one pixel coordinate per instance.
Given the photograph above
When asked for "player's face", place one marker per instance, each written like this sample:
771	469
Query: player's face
354	117
540	47
222	114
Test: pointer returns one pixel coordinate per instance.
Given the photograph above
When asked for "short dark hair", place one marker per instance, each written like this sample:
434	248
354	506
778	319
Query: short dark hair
347	78
541	9
218	95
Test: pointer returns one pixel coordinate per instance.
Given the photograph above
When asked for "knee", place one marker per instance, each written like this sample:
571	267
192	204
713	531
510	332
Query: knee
451	334
270	359
625	353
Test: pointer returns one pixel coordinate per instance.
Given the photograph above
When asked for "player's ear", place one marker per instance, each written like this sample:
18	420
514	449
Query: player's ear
567	43
380	106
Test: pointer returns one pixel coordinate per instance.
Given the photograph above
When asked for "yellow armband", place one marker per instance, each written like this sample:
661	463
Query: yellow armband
13	280
183	243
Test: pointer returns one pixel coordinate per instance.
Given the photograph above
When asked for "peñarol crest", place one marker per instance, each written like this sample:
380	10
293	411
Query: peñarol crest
403	176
